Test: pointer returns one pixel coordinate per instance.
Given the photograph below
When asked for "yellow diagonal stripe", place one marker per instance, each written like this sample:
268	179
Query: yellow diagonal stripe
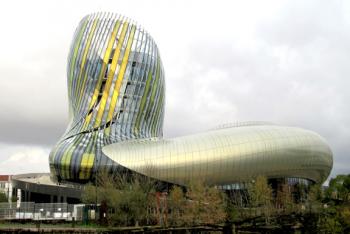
121	75
110	76
90	149
103	70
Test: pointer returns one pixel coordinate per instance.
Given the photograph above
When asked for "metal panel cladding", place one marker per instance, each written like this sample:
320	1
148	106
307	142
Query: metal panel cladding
116	92
229	155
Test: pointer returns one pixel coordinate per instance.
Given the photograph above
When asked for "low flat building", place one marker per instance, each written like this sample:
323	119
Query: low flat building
39	188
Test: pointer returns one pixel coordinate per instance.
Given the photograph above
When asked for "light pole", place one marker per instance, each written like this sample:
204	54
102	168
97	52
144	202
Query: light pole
96	174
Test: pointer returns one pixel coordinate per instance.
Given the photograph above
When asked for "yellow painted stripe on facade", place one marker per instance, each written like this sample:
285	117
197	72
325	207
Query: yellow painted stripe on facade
103	70
157	115
83	61
87	120
87	161
143	103
121	75
154	89
110	76
84	174
67	155
66	161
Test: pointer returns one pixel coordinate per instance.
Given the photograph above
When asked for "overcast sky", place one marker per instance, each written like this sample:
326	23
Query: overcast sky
286	62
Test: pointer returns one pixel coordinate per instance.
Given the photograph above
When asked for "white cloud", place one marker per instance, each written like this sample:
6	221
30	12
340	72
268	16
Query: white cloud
17	159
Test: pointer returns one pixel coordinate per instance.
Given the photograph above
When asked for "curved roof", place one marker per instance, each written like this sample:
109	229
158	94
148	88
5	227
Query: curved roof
228	155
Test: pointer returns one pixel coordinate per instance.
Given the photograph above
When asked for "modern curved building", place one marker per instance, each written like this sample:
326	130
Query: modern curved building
116	91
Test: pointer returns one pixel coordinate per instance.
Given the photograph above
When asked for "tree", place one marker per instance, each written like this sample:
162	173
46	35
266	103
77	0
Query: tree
206	205
3	197
301	190
127	199
195	204
88	195
260	194
176	206
315	195
345	218
339	188
130	204
284	198
203	205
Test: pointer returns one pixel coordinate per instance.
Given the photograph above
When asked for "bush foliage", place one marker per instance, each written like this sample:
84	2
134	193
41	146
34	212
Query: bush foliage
136	200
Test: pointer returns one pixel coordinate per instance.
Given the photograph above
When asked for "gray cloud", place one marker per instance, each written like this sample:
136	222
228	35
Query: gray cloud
295	74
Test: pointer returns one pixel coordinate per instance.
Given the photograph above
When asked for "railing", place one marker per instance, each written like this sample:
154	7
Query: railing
41	211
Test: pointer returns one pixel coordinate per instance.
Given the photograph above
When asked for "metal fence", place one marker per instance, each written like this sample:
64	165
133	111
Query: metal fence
41	211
